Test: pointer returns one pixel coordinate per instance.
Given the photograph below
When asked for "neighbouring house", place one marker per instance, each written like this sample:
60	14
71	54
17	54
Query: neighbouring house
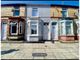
39	22
67	20
12	21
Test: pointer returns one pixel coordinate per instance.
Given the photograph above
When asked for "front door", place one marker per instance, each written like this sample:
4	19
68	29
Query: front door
46	31
4	31
54	31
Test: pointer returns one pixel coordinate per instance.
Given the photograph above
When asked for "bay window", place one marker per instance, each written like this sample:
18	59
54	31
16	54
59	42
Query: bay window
66	27
20	27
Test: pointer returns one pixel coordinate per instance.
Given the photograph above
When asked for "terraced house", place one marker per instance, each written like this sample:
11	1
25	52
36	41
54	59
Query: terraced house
67	19
12	21
39	22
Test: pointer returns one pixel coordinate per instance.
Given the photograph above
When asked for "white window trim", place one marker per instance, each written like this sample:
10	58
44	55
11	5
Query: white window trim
21	24
11	28
37	12
67	12
64	31
37	30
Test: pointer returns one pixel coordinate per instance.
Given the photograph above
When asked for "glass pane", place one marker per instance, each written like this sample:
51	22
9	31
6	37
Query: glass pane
62	28
33	29
54	23
32	22
68	29
16	13
64	13
34	12
20	29
14	29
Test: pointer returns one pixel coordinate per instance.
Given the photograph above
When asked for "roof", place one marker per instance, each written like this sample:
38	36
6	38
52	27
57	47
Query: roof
20	4
13	4
64	6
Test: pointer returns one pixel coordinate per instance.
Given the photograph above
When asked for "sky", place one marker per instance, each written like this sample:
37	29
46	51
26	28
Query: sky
72	3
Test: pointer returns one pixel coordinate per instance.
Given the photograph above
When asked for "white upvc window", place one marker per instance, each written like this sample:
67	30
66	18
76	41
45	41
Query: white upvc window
20	27
64	12
35	12
77	27
62	28
13	28
34	28
66	27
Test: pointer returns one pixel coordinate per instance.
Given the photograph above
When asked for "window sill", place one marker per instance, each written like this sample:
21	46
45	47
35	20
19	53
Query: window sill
68	35
13	34
34	16
33	35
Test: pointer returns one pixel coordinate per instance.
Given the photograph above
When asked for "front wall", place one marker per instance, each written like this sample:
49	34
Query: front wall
56	11
72	11
22	10
7	11
43	11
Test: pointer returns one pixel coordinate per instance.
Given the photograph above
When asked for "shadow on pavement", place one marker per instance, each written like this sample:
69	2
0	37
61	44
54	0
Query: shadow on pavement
8	51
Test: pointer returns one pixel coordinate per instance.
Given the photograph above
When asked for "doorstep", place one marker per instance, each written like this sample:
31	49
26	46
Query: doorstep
63	41
8	41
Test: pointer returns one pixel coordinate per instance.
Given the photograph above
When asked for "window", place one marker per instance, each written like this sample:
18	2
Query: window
20	27
46	23
62	27
64	12
13	28
33	28
34	12
68	27
77	28
16	11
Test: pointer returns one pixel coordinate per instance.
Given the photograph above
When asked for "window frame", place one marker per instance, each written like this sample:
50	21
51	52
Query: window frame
21	25
11	24
70	28
33	9
66	11
36	28
16	9
61	29
64	31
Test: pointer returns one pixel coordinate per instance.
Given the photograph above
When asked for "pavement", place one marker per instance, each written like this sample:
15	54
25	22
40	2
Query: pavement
47	50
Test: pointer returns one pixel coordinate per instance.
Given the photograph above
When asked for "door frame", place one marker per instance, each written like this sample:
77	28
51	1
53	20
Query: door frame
48	39
2	28
56	27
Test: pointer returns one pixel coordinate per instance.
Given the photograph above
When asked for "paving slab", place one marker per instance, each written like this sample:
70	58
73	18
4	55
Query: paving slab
55	50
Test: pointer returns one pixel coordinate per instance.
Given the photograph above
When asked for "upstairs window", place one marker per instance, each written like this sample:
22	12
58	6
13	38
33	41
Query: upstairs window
64	12
34	11
16	11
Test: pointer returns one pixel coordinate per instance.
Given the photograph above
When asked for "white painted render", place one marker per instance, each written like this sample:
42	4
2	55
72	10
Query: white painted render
43	11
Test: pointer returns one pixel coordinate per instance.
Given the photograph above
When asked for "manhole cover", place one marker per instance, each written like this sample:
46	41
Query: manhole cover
39	54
